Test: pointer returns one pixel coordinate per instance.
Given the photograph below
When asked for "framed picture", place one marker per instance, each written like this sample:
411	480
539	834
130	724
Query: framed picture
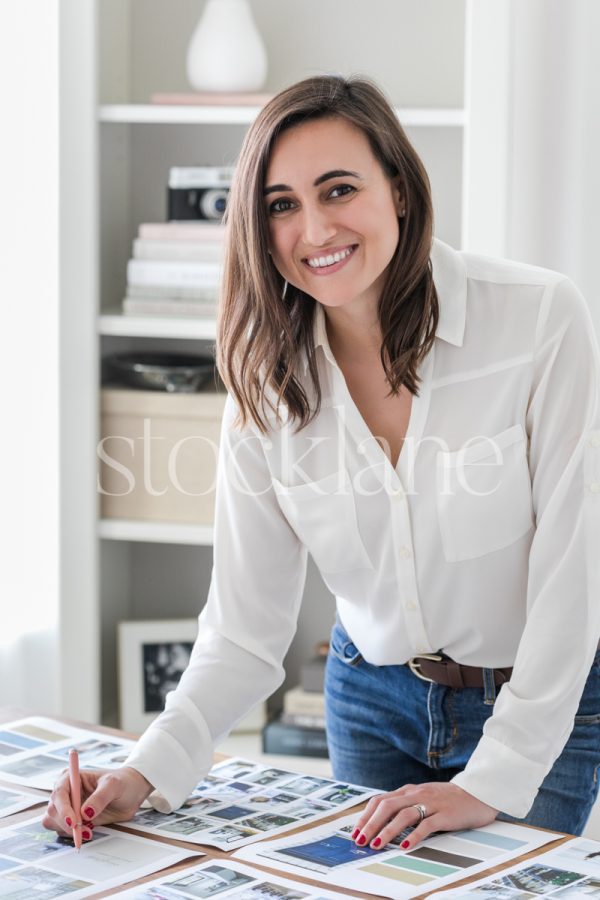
152	658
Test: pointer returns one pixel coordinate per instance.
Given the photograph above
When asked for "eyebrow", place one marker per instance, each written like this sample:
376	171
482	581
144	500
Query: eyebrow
335	173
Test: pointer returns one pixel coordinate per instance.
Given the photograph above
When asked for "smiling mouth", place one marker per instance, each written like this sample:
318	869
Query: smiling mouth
331	261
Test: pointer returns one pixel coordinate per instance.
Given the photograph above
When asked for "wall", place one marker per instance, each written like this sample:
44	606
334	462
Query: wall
555	139
414	49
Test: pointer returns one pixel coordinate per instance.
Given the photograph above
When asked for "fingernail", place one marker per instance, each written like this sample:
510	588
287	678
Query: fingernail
355	833
69	821
376	842
86	835
405	844
362	840
89	812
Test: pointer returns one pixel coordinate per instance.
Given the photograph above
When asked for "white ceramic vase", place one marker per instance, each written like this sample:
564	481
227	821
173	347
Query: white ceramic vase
226	51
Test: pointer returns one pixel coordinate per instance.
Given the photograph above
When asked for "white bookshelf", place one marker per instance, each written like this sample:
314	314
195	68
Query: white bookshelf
157	114
180	114
155	532
186	328
433	58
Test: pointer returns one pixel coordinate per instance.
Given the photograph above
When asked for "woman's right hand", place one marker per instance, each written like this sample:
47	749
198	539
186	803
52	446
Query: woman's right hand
112	795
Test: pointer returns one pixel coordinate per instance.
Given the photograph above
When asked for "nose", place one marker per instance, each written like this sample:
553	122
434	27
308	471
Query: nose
318	228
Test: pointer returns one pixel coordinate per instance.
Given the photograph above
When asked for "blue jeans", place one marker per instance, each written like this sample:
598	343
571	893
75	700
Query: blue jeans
386	728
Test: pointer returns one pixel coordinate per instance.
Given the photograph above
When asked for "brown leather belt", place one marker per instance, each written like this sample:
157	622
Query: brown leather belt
435	667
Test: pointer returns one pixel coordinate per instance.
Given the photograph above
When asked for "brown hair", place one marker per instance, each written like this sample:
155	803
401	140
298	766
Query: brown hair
262	336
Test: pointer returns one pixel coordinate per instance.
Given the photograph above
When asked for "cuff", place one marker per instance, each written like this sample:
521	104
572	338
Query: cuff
502	778
164	762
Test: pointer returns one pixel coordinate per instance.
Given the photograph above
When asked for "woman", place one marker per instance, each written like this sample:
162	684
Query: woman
422	422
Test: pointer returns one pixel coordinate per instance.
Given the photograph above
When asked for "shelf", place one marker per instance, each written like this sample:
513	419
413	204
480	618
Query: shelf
155	532
115	323
446	118
149	113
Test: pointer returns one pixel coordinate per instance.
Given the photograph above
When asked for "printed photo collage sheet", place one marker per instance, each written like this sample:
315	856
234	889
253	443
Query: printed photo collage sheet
14	801
328	854
239	803
225	879
570	871
34	751
38	863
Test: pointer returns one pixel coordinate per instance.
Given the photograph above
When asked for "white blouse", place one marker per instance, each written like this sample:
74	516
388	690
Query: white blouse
481	542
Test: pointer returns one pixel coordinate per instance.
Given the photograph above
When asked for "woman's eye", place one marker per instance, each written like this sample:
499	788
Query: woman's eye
340	189
283	204
279	206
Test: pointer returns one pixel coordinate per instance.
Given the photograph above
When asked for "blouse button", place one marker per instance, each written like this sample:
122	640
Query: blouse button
405	553
594	487
595	440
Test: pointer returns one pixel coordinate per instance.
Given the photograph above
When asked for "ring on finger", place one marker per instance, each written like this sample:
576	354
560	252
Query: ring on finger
421	809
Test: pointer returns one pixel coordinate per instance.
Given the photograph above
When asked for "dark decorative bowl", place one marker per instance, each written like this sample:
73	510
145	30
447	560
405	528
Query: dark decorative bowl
174	372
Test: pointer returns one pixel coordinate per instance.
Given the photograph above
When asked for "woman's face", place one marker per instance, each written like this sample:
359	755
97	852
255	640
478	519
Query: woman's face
332	213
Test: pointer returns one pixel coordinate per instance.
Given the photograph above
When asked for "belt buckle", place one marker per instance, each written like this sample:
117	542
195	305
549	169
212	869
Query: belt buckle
415	666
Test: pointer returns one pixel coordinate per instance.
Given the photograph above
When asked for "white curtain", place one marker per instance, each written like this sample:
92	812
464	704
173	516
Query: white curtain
554	173
554	170
29	556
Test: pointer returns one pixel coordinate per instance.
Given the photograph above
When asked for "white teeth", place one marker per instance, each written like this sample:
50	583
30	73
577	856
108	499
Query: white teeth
319	262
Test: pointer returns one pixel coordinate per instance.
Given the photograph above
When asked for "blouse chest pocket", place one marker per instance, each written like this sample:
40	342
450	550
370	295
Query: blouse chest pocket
323	515
484	495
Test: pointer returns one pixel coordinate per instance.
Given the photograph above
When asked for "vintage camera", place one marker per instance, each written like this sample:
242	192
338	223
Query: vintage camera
198	192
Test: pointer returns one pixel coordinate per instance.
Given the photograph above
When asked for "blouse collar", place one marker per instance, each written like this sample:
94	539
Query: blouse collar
450	279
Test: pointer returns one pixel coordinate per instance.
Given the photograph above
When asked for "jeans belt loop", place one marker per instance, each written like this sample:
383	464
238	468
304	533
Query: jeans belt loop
489	687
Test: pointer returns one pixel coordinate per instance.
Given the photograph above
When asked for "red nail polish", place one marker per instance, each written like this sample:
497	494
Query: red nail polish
355	833
69	821
89	812
405	844
86	835
362	840
376	842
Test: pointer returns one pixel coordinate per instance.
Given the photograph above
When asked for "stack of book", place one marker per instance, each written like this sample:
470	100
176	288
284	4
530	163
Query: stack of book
175	270
299	730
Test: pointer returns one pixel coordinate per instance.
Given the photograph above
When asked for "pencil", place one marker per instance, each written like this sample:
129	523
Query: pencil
75	796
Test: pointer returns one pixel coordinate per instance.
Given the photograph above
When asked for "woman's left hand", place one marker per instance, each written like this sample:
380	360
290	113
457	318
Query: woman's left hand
447	808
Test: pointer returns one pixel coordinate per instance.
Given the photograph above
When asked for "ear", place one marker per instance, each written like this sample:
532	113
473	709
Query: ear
399	196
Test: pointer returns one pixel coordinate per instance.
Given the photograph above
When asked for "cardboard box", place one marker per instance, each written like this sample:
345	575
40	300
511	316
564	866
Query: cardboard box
158	455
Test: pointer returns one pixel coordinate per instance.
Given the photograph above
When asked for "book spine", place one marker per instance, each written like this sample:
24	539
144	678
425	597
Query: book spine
185	274
186	251
200	176
164	292
177	231
304	721
304	704
294	741
139	307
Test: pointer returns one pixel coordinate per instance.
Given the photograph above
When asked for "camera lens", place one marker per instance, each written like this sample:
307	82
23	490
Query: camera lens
212	203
